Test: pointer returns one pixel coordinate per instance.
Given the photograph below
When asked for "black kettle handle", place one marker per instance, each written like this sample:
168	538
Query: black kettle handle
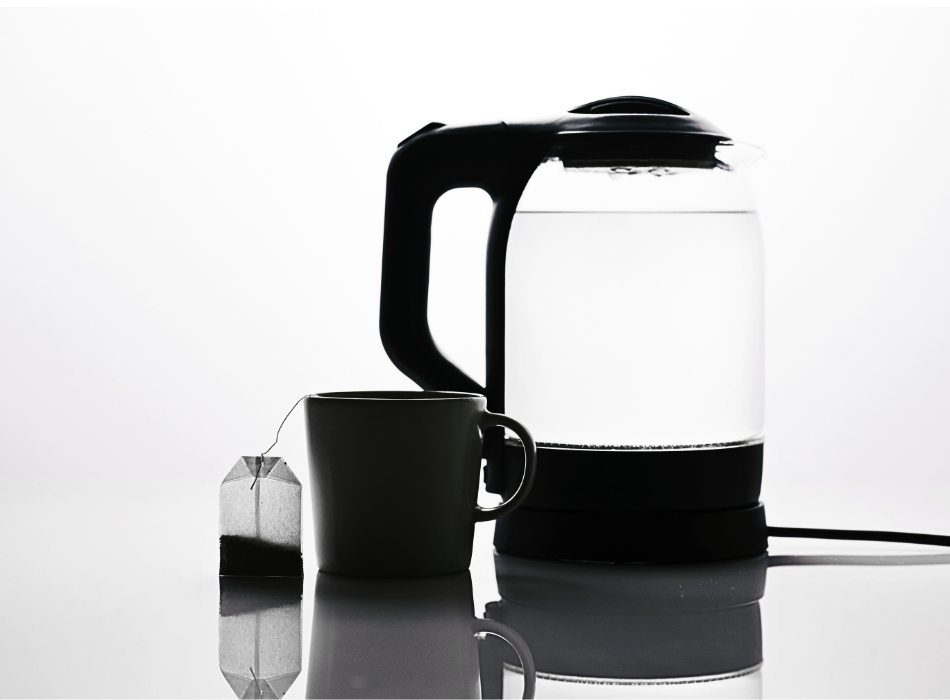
434	160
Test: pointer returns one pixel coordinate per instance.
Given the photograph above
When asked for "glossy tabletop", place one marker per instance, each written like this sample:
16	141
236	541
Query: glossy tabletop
112	590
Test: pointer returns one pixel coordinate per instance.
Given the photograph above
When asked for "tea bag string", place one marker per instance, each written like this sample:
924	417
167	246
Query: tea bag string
260	693
276	438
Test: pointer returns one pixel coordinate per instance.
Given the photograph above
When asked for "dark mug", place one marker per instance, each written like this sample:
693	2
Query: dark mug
402	638
394	476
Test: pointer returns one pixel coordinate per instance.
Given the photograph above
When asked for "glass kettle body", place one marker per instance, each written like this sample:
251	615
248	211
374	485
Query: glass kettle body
624	324
633	307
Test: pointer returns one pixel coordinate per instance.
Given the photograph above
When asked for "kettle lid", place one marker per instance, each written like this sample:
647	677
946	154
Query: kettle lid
636	114
630	105
626	129
634	130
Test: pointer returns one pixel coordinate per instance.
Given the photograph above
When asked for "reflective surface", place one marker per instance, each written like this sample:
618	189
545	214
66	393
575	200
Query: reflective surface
411	638
113	592
596	625
259	634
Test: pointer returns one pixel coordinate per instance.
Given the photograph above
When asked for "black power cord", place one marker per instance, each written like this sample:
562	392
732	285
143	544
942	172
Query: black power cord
870	535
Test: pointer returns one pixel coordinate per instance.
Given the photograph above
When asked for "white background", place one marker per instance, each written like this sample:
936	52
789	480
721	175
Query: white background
191	222
191	207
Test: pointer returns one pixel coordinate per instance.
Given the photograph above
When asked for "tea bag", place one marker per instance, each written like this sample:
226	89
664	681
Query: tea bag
260	519
259	644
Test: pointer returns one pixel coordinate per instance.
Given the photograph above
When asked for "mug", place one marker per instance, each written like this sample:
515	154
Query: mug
401	638
394	476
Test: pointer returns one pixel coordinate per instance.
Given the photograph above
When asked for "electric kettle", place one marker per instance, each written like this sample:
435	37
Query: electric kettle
624	324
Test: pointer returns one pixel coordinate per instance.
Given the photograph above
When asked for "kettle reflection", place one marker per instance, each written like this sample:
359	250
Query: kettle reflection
401	638
683	630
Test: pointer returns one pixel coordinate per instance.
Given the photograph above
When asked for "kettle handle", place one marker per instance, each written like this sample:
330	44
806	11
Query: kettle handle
493	157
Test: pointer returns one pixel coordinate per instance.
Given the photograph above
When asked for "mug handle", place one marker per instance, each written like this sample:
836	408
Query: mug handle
516	642
492	420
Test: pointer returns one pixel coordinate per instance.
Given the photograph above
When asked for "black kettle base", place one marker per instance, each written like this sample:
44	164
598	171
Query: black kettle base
636	506
617	537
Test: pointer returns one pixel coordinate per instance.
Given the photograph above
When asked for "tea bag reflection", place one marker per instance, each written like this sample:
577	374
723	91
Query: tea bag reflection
260	519
259	645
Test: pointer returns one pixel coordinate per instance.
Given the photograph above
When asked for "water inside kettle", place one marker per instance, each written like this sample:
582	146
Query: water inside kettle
635	329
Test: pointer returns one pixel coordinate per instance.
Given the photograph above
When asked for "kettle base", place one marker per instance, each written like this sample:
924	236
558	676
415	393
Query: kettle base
629	537
629	505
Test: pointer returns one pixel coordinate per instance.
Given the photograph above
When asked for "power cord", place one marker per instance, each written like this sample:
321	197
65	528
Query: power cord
870	535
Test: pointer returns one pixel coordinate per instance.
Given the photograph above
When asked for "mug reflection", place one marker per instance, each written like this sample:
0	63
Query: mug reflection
601	630
399	638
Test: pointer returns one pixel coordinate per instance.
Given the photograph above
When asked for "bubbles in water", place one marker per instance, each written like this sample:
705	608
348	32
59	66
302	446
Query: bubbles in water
655	171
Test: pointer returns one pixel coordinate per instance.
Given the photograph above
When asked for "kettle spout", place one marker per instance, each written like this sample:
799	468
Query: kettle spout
738	156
